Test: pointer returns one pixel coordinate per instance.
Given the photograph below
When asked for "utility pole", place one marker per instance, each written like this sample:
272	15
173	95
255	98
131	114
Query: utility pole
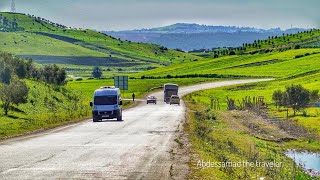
13	6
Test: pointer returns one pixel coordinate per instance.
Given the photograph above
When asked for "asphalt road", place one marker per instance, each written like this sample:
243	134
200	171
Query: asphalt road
136	148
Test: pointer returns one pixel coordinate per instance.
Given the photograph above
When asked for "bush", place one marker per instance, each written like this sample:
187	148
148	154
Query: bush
277	97
299	56
232	53
14	93
97	72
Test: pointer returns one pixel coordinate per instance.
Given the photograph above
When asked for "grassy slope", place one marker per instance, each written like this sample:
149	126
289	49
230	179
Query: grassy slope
281	43
22	43
290	40
101	42
47	107
284	64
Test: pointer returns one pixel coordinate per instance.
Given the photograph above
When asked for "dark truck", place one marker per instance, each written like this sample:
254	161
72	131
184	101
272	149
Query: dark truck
169	90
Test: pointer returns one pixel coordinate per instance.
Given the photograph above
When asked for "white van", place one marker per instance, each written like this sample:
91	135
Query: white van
107	104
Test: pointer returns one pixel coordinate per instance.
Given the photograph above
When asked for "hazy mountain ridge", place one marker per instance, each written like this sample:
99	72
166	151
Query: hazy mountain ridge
194	36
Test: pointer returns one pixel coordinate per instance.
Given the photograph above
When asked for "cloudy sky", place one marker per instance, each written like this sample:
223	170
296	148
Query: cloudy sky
136	14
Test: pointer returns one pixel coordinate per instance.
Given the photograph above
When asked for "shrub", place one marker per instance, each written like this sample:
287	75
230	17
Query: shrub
277	97
299	56
97	72
232	53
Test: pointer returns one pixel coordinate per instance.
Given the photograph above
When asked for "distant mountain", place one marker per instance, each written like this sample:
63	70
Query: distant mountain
194	36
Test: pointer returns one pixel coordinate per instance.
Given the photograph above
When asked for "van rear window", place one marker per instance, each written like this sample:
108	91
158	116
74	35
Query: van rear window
105	100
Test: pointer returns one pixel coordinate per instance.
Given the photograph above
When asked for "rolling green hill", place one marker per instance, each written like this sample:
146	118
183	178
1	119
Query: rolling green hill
276	64
22	43
28	35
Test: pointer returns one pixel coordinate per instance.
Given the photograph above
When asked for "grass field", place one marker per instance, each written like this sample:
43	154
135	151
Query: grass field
284	64
47	107
21	43
234	136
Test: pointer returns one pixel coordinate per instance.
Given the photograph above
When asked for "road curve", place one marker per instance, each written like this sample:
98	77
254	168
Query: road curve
137	148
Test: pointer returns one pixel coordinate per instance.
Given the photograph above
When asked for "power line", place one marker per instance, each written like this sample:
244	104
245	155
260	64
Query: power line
13	6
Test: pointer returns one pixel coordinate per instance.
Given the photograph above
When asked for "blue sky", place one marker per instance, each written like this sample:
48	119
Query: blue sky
136	14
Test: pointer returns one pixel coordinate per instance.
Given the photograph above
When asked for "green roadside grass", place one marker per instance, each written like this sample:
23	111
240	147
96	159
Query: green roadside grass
235	136
48	106
237	92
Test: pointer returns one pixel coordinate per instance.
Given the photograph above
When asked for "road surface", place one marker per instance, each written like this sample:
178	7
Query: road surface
137	148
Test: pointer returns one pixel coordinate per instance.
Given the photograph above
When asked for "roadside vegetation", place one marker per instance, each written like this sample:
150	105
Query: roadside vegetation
34	97
254	122
243	136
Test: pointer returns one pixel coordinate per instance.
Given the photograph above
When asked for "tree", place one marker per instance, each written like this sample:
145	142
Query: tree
52	74
5	74
277	97
232	53
22	70
297	97
61	77
14	93
97	72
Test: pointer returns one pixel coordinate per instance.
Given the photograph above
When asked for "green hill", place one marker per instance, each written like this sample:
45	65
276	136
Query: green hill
276	64
306	39
28	35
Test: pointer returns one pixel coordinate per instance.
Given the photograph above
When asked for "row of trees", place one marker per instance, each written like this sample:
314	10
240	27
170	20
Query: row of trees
13	66
295	97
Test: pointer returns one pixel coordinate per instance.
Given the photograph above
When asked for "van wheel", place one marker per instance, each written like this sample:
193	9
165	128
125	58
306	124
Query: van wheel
119	118
95	119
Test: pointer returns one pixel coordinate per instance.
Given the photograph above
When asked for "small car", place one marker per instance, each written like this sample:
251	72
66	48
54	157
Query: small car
151	99
175	99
